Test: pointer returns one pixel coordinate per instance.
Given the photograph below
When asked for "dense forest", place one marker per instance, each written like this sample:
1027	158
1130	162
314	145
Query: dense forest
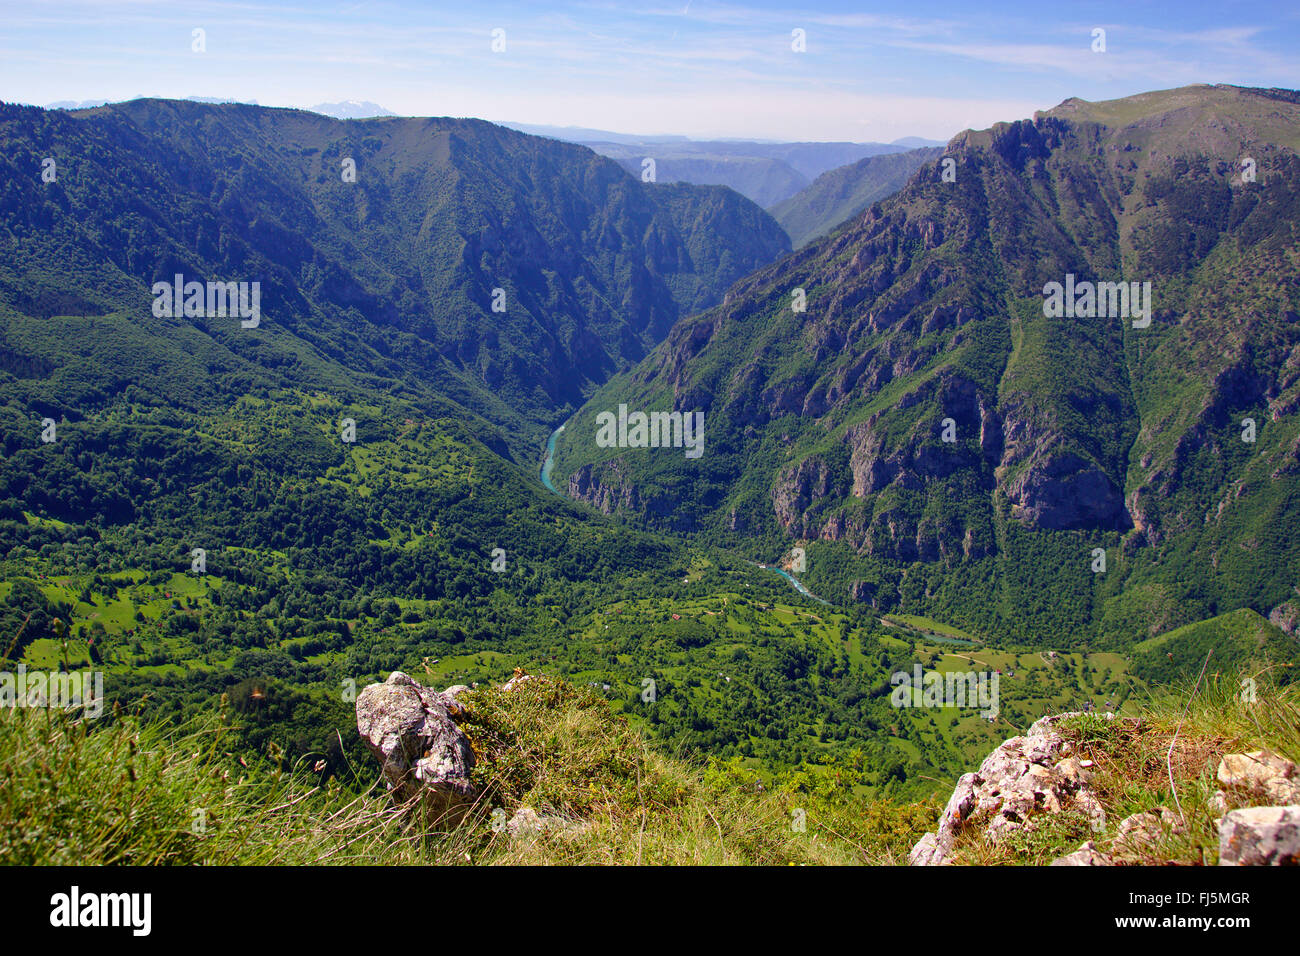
258	522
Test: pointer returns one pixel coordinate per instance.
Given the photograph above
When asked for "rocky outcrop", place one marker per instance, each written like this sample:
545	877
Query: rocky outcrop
1028	777
425	758
1285	616
800	492
1048	485
864	591
607	487
960	434
1065	491
610	487
1023	778
924	456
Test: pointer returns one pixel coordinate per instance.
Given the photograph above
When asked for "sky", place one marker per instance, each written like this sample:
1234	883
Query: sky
867	71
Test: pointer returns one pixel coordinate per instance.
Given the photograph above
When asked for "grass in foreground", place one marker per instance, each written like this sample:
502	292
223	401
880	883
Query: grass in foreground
118	792
114	791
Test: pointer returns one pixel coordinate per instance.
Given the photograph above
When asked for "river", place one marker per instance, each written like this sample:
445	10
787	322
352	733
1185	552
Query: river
798	585
549	462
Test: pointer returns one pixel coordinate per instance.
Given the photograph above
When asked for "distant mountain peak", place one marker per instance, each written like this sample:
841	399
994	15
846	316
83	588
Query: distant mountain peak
918	142
351	109
75	104
220	100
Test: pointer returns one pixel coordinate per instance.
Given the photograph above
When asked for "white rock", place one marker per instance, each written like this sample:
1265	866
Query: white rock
1263	771
423	755
1086	855
1260	836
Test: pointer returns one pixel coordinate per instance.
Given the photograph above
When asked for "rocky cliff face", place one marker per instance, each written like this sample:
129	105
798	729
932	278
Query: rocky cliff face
610	487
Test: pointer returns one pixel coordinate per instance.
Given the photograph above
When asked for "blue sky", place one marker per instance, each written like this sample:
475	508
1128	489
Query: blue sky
871	71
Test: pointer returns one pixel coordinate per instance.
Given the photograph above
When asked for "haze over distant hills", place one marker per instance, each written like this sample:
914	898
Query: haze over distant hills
836	196
74	104
767	172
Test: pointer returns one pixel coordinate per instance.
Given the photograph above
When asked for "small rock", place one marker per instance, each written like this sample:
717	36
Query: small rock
1072	768
1086	802
517	681
1260	836
1262	771
1142	831
1086	855
1253	768
528	824
525	823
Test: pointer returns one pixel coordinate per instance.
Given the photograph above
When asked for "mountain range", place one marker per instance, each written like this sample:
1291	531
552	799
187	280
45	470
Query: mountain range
351	109
931	412
379	246
901	399
836	196
767	173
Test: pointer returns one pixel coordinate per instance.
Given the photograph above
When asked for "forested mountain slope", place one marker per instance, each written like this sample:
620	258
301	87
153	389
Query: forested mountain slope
836	196
205	504
510	274
942	438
